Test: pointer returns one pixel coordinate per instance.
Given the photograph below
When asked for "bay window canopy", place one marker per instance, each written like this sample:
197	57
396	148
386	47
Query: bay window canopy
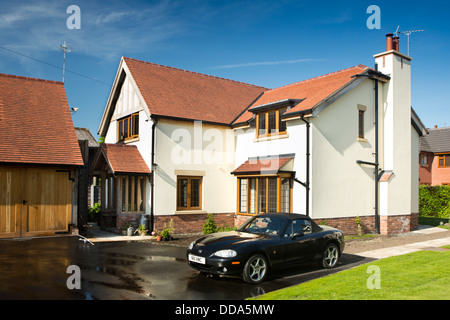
266	165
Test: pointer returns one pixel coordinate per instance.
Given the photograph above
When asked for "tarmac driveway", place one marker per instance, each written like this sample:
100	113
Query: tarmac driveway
38	269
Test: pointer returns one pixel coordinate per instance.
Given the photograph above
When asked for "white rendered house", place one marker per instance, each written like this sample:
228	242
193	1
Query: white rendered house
335	147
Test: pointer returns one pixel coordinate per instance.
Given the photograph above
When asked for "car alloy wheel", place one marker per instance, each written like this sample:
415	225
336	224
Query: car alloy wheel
330	256
255	269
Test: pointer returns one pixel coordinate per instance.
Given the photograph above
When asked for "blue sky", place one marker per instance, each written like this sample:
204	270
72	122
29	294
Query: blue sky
267	43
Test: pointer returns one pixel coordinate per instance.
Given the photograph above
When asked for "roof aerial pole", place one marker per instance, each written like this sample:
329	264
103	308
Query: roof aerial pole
65	48
407	34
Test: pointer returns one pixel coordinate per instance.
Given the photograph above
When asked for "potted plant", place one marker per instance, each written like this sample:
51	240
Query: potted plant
124	228
165	234
141	230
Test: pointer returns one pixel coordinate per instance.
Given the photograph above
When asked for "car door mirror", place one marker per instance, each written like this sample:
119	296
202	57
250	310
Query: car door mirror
297	235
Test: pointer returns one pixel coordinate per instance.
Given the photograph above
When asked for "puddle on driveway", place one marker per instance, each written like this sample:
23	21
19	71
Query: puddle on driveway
37	269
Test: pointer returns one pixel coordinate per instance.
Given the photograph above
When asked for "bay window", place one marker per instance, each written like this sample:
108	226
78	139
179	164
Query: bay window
264	194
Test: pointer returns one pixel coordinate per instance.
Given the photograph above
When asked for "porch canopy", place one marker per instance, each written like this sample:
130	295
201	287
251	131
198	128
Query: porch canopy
123	173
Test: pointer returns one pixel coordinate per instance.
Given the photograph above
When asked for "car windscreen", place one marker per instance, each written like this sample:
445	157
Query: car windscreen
265	225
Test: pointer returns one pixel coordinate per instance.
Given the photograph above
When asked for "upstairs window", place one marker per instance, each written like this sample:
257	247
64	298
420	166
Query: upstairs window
361	110
128	127
270	123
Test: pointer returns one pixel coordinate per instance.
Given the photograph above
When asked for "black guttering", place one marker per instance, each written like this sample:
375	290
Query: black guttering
306	184
376	76
152	182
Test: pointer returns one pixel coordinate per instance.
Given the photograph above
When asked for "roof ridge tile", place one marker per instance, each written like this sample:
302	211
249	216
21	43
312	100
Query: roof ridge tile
196	73
29	78
360	66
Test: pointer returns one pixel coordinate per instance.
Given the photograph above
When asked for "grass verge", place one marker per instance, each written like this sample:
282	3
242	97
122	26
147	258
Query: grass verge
420	275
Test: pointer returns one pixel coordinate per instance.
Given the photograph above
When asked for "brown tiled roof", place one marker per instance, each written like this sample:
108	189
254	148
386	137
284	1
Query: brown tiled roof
263	165
35	123
123	158
184	94
312	91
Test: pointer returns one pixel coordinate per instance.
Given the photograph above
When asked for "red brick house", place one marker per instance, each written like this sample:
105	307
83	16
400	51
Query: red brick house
434	157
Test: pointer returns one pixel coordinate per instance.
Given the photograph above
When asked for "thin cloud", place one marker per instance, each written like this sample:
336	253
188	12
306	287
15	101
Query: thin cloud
261	63
38	28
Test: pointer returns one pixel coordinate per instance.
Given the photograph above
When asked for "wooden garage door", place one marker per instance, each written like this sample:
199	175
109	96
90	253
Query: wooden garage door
34	202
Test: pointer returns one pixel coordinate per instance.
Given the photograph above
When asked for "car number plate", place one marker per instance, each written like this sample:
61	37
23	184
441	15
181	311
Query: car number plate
197	259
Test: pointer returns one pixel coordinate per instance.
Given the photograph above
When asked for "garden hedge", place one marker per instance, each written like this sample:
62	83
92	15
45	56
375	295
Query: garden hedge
434	201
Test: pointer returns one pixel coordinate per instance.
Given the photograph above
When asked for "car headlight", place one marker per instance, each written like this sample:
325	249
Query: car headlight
191	246
227	253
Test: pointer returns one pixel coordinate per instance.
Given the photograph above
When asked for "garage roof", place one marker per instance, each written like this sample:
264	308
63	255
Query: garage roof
35	123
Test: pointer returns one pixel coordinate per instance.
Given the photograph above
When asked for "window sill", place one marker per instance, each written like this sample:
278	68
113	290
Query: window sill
189	212
274	137
131	140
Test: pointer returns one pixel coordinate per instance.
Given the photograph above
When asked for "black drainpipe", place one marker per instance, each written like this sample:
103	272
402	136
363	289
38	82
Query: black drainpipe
376	163
152	182
306	184
377	214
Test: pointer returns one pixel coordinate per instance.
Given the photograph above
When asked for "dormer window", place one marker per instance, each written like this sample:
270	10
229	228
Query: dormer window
269	123
128	127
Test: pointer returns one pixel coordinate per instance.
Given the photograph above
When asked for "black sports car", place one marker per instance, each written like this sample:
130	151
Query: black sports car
264	242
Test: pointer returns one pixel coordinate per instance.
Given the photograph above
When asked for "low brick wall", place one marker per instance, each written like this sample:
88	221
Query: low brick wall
388	224
348	225
124	218
192	223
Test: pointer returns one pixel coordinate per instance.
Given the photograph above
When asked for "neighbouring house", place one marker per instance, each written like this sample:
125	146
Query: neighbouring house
434	157
39	158
335	147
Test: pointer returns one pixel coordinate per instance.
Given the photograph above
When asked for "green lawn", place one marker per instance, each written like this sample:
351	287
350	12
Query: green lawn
416	276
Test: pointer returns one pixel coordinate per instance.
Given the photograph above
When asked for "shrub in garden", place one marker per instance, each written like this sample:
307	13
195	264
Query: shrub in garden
210	225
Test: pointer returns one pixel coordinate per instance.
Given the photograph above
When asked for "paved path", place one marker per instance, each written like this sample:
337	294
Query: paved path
411	247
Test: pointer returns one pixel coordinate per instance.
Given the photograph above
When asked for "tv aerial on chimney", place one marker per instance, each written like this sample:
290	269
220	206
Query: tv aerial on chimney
407	34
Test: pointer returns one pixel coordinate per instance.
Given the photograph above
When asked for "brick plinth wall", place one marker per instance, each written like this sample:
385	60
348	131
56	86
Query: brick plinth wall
192	223
399	224
388	224
348	225
124	218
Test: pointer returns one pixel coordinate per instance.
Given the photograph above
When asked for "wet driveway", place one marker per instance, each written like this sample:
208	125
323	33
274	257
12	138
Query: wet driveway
37	269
